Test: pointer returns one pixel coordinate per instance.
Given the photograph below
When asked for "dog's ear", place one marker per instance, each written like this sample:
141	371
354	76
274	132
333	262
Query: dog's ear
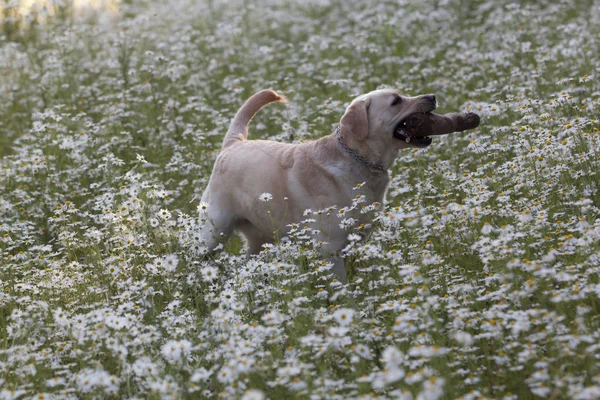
356	121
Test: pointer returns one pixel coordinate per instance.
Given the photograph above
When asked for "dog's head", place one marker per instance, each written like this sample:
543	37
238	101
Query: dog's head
373	122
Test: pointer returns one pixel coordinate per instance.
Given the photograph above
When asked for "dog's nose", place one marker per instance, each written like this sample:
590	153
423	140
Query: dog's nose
430	97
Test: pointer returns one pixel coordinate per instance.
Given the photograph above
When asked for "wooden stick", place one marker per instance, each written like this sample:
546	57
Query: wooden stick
429	124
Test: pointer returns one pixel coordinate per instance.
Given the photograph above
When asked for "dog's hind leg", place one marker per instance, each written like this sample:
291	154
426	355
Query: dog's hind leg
255	238
255	243
217	228
339	269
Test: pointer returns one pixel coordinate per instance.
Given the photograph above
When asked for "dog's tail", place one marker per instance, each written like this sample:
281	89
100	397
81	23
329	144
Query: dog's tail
238	130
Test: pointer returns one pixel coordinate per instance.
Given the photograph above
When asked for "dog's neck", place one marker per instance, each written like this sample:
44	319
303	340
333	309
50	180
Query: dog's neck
354	154
349	170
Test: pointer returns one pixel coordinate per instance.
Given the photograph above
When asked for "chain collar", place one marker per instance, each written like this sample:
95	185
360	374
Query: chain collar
354	154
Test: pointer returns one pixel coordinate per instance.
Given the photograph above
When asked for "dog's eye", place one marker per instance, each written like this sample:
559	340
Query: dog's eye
397	100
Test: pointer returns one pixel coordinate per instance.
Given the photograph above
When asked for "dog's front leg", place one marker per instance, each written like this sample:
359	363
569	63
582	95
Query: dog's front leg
332	250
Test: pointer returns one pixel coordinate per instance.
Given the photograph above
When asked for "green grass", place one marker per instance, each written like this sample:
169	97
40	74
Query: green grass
480	279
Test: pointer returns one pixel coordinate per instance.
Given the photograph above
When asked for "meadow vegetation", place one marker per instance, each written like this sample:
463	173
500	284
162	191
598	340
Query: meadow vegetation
482	276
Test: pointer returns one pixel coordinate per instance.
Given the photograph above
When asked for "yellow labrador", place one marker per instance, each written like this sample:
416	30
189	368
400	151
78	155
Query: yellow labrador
312	175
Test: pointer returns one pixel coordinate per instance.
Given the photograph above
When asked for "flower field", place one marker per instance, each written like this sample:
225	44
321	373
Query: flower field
481	279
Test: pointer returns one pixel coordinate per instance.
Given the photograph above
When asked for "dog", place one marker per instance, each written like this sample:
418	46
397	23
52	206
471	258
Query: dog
311	175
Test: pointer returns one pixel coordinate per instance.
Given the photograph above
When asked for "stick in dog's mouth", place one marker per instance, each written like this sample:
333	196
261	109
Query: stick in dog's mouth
406	127
417	127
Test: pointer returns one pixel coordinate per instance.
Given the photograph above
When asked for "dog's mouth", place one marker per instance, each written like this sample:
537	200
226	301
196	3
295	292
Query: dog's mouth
401	133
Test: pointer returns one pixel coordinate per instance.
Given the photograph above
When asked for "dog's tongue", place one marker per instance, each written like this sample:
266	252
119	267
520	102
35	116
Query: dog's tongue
429	124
